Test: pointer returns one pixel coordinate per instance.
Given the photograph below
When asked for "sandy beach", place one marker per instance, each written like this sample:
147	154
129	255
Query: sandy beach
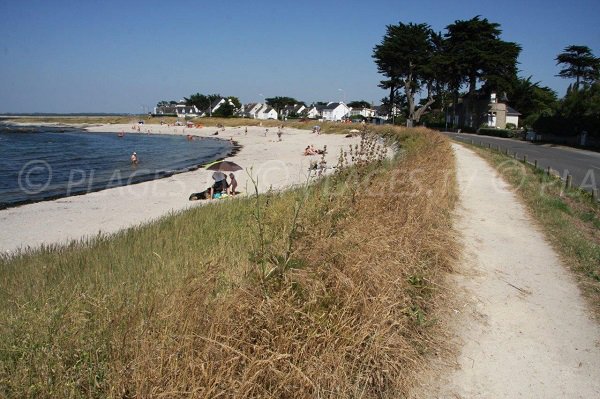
277	164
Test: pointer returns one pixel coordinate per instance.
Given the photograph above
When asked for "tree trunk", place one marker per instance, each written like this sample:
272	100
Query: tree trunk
416	116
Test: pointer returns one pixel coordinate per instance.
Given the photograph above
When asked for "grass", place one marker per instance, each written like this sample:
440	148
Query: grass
570	218
190	305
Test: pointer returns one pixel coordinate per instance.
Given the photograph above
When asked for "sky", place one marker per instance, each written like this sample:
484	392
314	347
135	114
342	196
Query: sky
124	56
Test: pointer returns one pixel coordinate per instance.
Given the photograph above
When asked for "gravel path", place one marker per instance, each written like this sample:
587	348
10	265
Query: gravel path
521	325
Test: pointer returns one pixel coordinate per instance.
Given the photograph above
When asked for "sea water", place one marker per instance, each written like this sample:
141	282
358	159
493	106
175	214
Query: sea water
40	163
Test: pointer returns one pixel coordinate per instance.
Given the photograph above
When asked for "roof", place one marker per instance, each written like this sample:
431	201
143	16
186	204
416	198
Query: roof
512	112
216	102
332	106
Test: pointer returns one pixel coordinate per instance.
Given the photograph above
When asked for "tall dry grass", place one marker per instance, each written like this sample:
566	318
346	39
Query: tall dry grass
183	308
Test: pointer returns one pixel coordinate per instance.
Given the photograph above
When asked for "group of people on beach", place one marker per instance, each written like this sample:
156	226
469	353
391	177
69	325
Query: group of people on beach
221	185
311	150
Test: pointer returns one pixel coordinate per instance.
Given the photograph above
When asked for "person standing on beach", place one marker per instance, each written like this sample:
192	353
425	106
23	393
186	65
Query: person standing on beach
134	158
232	184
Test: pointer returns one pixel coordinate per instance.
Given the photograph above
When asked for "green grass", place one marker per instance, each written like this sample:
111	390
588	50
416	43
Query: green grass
570	218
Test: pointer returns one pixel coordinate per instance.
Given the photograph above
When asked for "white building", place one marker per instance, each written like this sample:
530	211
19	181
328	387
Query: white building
335	111
313	112
266	112
364	112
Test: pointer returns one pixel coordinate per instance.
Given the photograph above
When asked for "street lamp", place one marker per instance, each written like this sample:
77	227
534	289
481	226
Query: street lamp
343	95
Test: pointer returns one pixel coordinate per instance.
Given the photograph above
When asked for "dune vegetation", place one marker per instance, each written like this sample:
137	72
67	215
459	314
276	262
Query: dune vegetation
327	290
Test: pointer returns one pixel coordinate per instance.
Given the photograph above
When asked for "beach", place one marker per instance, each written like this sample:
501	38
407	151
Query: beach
276	164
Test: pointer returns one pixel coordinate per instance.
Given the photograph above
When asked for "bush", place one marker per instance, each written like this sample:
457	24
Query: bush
511	126
495	132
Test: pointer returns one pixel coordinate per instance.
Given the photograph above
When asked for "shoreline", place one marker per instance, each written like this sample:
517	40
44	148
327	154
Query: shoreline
277	164
158	174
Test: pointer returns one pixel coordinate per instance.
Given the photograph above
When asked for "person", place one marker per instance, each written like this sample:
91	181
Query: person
246	131
232	184
279	135
220	183
134	158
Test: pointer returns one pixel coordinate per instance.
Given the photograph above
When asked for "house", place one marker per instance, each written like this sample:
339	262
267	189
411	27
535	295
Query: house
512	116
364	112
183	110
381	112
293	110
213	106
258	111
499	114
335	111
313	112
180	110
250	110
165	110
482	110
266	112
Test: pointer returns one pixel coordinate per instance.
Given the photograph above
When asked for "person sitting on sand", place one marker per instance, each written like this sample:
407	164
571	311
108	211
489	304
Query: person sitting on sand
232	184
220	183
134	158
309	151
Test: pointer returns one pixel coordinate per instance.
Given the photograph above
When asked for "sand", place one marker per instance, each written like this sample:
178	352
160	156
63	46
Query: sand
277	165
520	322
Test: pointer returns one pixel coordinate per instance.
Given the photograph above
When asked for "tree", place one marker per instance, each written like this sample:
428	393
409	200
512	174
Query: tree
279	103
405	56
531	100
359	104
162	103
235	101
201	101
578	111
225	110
476	55
579	63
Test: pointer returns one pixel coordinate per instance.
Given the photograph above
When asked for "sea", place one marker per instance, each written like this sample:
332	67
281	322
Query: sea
42	163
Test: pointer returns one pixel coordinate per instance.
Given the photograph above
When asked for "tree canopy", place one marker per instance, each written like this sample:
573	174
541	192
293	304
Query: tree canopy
531	100
420	61
405	57
201	101
477	55
579	63
280	102
359	104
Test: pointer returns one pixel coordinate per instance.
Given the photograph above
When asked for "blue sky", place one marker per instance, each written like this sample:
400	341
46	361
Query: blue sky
109	56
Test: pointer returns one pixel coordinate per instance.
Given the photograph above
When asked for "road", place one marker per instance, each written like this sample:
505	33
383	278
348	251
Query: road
583	166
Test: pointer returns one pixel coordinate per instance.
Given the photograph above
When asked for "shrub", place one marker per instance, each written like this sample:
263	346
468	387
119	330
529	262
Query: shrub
494	132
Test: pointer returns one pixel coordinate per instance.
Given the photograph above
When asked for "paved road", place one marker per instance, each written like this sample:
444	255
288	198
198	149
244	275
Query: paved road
583	165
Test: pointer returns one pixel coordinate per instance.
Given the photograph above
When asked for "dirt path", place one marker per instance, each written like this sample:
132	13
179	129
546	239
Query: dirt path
521	325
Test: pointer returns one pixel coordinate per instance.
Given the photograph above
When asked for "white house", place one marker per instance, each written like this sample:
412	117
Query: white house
180	110
365	112
313	112
266	112
335	111
183	110
295	110
251	110
512	116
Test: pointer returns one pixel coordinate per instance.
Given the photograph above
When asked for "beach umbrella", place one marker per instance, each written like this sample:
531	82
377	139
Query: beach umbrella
224	166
